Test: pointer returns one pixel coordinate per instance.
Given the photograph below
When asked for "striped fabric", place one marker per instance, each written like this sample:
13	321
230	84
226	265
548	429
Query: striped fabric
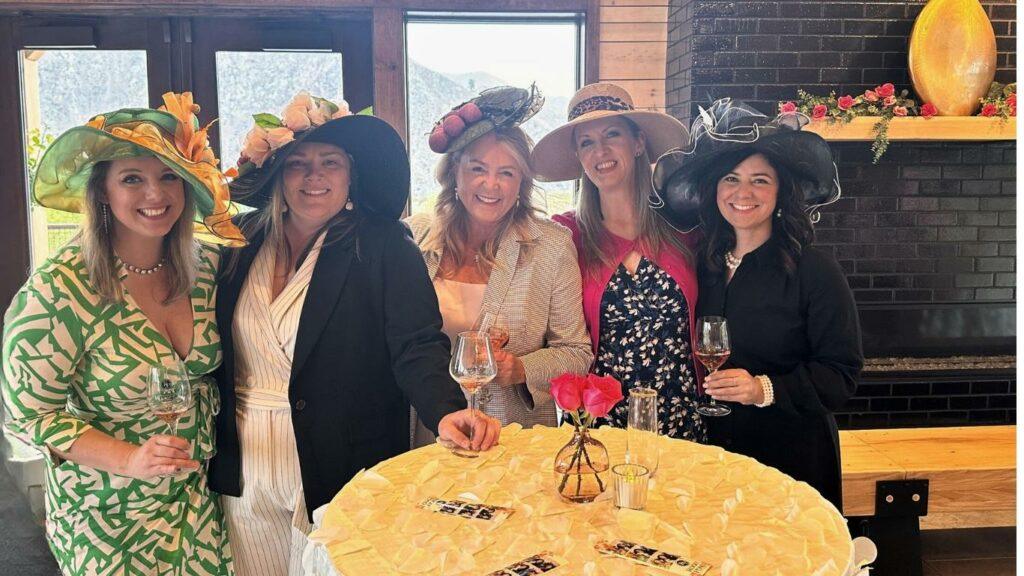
536	285
267	525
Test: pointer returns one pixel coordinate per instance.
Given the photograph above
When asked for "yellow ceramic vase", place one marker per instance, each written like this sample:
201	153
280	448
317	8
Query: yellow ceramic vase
952	55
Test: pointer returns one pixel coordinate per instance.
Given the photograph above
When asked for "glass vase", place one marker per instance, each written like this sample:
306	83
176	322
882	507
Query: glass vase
581	468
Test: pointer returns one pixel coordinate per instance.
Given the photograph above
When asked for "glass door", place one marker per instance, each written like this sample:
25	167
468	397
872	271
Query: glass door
68	71
244	67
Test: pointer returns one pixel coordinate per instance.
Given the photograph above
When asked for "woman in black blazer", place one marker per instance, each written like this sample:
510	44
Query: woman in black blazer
330	328
796	351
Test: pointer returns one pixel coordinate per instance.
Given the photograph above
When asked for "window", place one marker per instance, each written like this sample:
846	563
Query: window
451	58
62	89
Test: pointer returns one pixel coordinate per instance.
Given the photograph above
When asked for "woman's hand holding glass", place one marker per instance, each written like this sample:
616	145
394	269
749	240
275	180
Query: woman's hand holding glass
734	385
160	455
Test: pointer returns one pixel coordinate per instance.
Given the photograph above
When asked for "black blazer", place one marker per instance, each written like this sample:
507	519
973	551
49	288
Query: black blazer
369	342
801	330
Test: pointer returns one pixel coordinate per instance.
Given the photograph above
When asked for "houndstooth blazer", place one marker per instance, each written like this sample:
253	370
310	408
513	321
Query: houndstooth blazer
536	285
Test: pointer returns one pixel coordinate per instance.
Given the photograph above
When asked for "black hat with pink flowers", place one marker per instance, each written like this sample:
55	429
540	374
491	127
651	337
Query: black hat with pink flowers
498	107
380	161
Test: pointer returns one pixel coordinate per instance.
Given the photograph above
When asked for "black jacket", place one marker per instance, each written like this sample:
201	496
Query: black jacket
369	342
800	330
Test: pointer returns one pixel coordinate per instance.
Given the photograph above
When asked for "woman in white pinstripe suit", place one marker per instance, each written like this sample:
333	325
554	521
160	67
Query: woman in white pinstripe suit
487	249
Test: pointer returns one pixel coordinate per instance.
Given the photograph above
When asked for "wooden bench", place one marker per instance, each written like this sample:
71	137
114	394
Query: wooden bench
962	477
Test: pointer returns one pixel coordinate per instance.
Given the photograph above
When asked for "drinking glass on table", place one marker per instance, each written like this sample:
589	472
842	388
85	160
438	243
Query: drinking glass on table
496	327
170	393
472	367
642	427
712	349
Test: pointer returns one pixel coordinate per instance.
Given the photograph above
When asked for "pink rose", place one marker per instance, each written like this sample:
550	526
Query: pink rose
899	111
889	101
928	110
845	102
819	111
886	90
989	110
280	136
567	391
870	96
342	110
601	394
320	113
304	100
256	146
787	108
296	118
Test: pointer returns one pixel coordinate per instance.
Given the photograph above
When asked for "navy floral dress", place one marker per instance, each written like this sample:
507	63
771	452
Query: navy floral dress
645	341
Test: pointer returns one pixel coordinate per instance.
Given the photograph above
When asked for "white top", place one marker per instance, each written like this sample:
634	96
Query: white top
265	329
460	304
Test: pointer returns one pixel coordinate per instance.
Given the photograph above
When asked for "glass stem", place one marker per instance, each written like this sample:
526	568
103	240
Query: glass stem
472	418
174	427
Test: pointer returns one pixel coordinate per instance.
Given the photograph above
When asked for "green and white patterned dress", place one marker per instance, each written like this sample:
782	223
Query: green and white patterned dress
71	364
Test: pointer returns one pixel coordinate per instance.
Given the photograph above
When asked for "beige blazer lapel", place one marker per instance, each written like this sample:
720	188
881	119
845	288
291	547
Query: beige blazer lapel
506	263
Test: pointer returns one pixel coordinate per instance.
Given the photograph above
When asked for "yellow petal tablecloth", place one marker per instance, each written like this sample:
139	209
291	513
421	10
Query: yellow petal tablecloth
706	505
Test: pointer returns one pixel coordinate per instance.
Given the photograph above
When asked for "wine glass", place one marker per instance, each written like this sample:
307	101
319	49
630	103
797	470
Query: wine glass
472	367
642	428
496	327
712	350
170	393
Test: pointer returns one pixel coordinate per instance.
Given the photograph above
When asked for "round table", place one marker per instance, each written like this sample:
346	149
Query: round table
705	504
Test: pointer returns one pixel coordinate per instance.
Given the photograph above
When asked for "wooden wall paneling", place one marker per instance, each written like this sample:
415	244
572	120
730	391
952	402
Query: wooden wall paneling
14	266
648	94
389	68
592	43
632	61
634	14
634	2
634	32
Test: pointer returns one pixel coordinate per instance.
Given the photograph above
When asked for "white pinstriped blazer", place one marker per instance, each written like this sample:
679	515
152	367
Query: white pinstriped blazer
536	286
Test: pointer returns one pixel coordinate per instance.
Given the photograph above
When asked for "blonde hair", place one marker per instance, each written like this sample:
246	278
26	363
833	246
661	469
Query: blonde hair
654	232
181	252
450	229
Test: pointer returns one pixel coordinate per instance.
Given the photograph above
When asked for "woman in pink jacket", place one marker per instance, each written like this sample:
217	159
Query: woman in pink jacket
639	283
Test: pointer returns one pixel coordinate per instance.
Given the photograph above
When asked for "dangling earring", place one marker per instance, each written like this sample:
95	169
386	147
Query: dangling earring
106	219
778	213
349	205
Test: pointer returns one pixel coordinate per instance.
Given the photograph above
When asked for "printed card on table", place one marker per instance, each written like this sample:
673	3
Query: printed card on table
652	557
544	562
464	509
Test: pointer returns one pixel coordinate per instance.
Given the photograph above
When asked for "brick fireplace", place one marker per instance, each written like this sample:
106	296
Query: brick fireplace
926	236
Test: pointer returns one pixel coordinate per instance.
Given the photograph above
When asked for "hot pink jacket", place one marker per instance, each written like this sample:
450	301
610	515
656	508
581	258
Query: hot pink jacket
669	260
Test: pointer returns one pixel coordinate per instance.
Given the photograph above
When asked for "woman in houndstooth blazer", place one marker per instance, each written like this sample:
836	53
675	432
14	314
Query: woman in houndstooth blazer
487	249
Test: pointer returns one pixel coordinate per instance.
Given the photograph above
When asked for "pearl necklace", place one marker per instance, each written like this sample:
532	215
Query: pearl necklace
142	271
731	261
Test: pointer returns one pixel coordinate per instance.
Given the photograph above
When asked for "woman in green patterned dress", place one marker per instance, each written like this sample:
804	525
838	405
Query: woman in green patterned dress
134	289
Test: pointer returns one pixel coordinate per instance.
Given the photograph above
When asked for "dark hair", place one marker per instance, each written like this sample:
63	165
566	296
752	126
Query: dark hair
791	232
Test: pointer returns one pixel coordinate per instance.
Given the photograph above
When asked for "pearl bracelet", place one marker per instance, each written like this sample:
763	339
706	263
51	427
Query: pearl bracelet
767	389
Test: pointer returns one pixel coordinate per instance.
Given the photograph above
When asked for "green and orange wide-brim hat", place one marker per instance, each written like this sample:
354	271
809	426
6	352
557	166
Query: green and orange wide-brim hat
170	133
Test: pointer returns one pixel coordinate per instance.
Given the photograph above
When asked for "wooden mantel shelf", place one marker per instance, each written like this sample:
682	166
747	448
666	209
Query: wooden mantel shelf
916	128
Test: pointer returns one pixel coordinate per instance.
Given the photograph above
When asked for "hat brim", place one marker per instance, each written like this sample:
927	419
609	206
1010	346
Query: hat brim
381	163
554	156
62	177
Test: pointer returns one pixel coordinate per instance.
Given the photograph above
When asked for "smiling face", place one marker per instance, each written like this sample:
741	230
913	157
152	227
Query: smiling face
488	180
146	197
747	196
316	178
607	150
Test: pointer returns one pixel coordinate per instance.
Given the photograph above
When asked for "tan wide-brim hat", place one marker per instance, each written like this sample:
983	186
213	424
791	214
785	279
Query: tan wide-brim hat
554	157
